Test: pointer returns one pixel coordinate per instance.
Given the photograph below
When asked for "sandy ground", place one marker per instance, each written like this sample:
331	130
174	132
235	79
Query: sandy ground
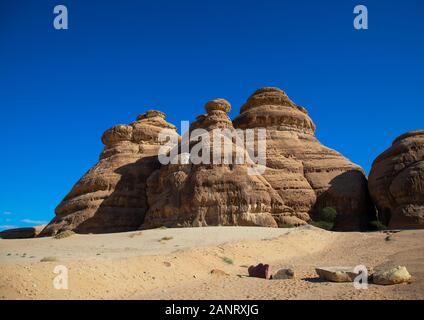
176	264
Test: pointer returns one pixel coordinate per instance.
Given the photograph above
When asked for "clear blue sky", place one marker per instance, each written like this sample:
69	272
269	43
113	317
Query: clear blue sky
59	90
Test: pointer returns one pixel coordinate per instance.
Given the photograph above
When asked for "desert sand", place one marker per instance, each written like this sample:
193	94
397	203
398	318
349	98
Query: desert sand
177	264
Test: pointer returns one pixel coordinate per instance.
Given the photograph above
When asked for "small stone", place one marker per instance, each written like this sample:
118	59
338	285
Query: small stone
391	276
283	274
337	274
218	272
262	271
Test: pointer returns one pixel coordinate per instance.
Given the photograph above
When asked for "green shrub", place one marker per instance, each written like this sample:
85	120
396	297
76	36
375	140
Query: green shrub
327	220
377	225
227	260
323	225
49	259
328	214
166	239
64	234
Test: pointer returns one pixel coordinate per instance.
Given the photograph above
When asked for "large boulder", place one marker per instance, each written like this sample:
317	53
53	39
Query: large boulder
111	196
337	274
396	182
391	276
22	233
307	175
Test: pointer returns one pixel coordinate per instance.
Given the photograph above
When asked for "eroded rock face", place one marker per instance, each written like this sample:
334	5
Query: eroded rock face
22	233
307	175
111	196
129	188
199	194
396	182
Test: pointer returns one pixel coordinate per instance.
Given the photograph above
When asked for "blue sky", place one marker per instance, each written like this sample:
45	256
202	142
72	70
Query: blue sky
59	90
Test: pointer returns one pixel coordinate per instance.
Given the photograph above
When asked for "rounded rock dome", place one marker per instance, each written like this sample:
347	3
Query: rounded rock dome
218	105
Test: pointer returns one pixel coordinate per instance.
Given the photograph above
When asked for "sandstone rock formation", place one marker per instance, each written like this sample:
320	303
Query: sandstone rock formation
302	177
129	188
307	175
22	233
211	194
111	196
396	182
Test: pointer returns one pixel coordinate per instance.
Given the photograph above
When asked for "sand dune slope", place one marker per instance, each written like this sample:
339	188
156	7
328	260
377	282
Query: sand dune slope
176	264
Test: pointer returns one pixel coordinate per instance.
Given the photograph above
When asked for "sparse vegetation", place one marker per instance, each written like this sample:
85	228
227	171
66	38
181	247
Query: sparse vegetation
327	219
64	234
49	259
166	239
137	234
377	225
323	225
227	260
328	214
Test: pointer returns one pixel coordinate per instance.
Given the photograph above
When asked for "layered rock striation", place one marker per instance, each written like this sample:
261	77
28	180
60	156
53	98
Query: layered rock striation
131	187
396	182
201	194
307	175
111	196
